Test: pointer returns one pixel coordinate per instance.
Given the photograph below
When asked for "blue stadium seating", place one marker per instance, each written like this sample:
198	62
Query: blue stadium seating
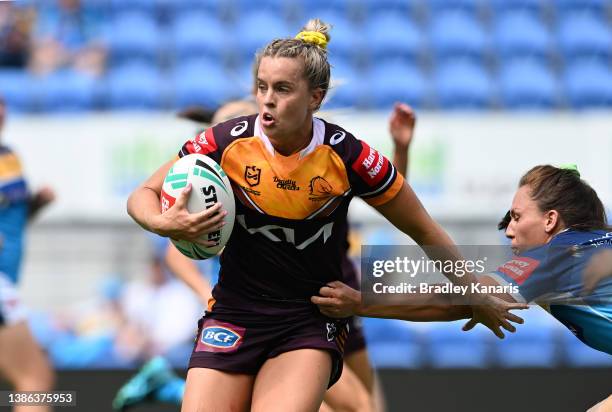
348	88
572	6
145	6
578	354
588	84
522	34
66	91
458	34
463	85
136	86
199	83
347	39
392	343
395	82
528	84
585	34
199	35
402	8
532	345
135	35
258	29
16	87
467	5
391	36
533	6
450	347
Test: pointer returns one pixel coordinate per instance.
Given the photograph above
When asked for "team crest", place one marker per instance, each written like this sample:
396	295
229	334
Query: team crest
320	189
252	175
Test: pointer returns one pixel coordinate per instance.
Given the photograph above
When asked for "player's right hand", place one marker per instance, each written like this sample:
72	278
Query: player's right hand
495	314
178	223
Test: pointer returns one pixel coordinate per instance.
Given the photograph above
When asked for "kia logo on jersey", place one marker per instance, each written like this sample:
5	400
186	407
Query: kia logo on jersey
252	175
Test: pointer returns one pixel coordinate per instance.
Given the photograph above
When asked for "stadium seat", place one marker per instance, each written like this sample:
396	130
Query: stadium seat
197	83
199	35
347	87
528	84
578	354
403	8
348	40
392	36
450	347
533	6
572	6
443	5
395	82
17	87
136	86
135	35
458	34
463	85
585	35
66	91
257	29
143	6
218	9
521	34
532	345
392	343
588	84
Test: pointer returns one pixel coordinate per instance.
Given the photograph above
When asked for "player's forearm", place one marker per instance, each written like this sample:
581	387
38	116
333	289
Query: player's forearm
143	206
186	270
417	313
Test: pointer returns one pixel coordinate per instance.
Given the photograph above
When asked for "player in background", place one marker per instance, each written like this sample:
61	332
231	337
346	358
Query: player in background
22	361
598	269
556	225
262	298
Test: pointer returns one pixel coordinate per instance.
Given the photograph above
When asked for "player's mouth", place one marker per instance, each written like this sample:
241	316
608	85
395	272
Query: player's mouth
267	120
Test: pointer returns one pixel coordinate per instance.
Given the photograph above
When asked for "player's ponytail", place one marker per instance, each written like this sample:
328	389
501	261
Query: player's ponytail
311	45
563	190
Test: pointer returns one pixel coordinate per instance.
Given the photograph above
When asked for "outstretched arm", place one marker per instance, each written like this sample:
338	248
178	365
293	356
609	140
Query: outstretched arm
401	128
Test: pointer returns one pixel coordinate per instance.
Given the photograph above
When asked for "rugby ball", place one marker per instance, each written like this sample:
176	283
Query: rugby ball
209	185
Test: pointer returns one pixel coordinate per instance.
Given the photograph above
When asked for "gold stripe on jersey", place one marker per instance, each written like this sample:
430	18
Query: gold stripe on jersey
285	186
388	194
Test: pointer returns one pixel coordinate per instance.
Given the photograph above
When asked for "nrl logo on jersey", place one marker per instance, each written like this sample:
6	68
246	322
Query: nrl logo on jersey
320	189
252	175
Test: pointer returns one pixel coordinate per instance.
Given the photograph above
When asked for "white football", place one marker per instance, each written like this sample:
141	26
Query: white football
209	185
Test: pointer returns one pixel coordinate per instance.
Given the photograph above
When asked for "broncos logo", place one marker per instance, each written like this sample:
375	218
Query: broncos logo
320	188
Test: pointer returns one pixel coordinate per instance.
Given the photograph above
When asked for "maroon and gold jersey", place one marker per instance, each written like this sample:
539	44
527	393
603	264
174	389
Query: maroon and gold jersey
289	236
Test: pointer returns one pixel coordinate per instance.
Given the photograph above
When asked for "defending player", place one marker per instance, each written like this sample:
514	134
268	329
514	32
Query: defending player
556	224
22	361
293	177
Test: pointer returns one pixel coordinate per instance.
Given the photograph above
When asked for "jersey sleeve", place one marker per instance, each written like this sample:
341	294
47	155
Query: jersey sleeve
371	175
213	141
535	273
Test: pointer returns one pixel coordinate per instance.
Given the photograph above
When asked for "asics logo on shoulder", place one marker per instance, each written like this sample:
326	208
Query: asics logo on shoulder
337	138
239	128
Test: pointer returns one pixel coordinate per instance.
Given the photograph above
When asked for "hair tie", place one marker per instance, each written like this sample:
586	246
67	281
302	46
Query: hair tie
313	37
570	166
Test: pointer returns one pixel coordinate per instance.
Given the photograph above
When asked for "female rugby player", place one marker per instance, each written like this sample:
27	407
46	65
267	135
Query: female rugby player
261	343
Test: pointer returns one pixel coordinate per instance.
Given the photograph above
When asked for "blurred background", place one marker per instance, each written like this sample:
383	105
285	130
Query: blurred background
92	88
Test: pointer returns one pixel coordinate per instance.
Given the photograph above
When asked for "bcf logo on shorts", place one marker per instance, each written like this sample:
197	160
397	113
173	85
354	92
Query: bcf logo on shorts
219	337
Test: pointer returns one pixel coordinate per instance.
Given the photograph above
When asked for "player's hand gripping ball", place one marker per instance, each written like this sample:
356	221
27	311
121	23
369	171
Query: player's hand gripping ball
209	185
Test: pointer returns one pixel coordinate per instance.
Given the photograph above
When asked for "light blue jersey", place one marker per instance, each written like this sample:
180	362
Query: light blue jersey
14	199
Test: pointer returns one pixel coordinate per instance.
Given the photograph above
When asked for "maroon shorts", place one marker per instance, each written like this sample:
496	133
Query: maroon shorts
355	340
242	345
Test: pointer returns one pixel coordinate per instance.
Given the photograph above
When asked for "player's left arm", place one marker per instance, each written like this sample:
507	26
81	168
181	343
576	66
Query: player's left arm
39	200
186	270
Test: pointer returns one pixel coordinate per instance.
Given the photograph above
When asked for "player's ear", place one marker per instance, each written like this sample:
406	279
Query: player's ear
553	220
316	98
